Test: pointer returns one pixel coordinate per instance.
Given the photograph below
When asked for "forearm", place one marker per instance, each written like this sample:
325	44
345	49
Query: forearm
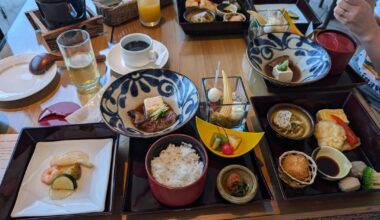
371	44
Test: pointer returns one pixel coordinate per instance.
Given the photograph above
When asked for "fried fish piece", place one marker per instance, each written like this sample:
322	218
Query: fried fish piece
325	114
329	133
208	4
191	3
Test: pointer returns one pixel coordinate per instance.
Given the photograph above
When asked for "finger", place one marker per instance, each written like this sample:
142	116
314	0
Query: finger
355	2
339	14
344	5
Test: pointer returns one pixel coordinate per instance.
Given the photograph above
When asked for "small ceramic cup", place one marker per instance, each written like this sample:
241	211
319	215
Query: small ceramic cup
137	50
340	159
247	176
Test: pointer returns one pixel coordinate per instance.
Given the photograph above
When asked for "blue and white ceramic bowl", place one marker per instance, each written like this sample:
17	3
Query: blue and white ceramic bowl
313	61
130	90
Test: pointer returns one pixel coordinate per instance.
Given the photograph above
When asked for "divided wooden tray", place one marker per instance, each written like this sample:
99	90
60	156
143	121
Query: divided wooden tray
138	198
358	116
219	27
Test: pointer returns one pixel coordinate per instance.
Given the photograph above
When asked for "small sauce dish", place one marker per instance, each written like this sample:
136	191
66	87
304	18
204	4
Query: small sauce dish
247	177
332	164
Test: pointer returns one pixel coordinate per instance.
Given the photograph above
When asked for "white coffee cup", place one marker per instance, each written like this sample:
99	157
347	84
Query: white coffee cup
137	54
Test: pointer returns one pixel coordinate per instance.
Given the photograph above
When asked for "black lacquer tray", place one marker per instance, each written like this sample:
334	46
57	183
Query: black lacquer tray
360	122
218	27
138	199
347	80
24	150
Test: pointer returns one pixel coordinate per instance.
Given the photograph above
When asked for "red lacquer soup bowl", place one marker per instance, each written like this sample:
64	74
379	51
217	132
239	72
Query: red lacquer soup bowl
176	196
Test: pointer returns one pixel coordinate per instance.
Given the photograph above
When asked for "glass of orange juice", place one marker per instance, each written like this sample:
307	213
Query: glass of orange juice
149	12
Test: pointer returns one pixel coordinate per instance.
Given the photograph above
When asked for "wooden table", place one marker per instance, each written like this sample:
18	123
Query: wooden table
196	58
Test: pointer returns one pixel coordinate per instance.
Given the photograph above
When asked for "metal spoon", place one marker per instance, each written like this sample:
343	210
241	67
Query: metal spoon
42	62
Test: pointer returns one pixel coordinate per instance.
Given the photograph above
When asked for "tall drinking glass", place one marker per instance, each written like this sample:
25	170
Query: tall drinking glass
149	12
75	46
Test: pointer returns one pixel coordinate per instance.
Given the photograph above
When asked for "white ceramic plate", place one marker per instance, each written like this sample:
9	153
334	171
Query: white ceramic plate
115	62
293	7
90	196
16	82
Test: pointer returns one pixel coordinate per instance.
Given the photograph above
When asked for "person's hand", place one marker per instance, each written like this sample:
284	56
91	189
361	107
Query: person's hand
358	17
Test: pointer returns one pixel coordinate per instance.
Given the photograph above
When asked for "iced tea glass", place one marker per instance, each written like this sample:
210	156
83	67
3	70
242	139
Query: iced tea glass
75	46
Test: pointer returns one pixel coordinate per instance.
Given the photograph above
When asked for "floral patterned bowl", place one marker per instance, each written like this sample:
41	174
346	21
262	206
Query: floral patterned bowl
130	90
312	60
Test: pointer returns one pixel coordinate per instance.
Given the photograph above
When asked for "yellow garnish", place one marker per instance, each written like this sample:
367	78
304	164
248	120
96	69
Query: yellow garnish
259	18
292	27
225	111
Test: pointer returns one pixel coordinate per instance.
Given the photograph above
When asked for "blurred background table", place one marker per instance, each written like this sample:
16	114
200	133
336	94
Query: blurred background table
196	58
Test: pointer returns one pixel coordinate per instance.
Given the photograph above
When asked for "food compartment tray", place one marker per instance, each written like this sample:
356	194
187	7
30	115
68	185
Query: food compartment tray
360	122
138	198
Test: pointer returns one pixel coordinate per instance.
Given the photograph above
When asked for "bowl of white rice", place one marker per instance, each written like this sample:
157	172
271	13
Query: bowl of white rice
176	167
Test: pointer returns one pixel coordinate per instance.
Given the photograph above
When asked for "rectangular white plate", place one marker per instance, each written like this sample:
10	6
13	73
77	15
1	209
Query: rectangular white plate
292	7
90	196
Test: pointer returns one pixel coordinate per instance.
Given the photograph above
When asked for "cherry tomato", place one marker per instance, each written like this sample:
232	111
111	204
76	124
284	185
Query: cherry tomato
227	149
233	178
352	139
214	105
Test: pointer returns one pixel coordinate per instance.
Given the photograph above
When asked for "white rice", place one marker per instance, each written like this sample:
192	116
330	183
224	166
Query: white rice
177	166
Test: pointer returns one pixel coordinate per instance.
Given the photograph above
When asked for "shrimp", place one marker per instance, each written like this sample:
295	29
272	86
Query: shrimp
50	174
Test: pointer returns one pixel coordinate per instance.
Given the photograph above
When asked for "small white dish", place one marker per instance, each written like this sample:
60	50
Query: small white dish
292	7
17	82
115	62
340	159
90	196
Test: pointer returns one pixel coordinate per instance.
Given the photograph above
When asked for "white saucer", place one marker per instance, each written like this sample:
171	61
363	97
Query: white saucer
115	62
16	81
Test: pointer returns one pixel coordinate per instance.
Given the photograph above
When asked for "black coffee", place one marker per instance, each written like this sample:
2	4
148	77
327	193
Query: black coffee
136	45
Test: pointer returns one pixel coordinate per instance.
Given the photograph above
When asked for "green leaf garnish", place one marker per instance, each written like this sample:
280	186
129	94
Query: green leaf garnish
283	66
159	113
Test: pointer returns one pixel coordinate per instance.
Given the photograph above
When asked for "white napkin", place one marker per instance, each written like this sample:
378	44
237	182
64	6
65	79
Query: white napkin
90	112
7	145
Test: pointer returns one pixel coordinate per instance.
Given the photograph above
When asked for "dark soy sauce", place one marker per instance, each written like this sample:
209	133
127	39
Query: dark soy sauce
296	71
327	166
136	45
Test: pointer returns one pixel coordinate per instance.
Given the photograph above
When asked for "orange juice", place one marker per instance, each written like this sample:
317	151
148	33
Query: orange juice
149	12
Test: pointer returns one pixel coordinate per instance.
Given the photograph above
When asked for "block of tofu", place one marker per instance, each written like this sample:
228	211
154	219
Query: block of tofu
282	118
284	76
325	114
152	104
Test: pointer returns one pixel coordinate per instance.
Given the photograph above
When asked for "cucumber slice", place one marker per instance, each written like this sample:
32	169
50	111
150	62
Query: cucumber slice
64	181
293	15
